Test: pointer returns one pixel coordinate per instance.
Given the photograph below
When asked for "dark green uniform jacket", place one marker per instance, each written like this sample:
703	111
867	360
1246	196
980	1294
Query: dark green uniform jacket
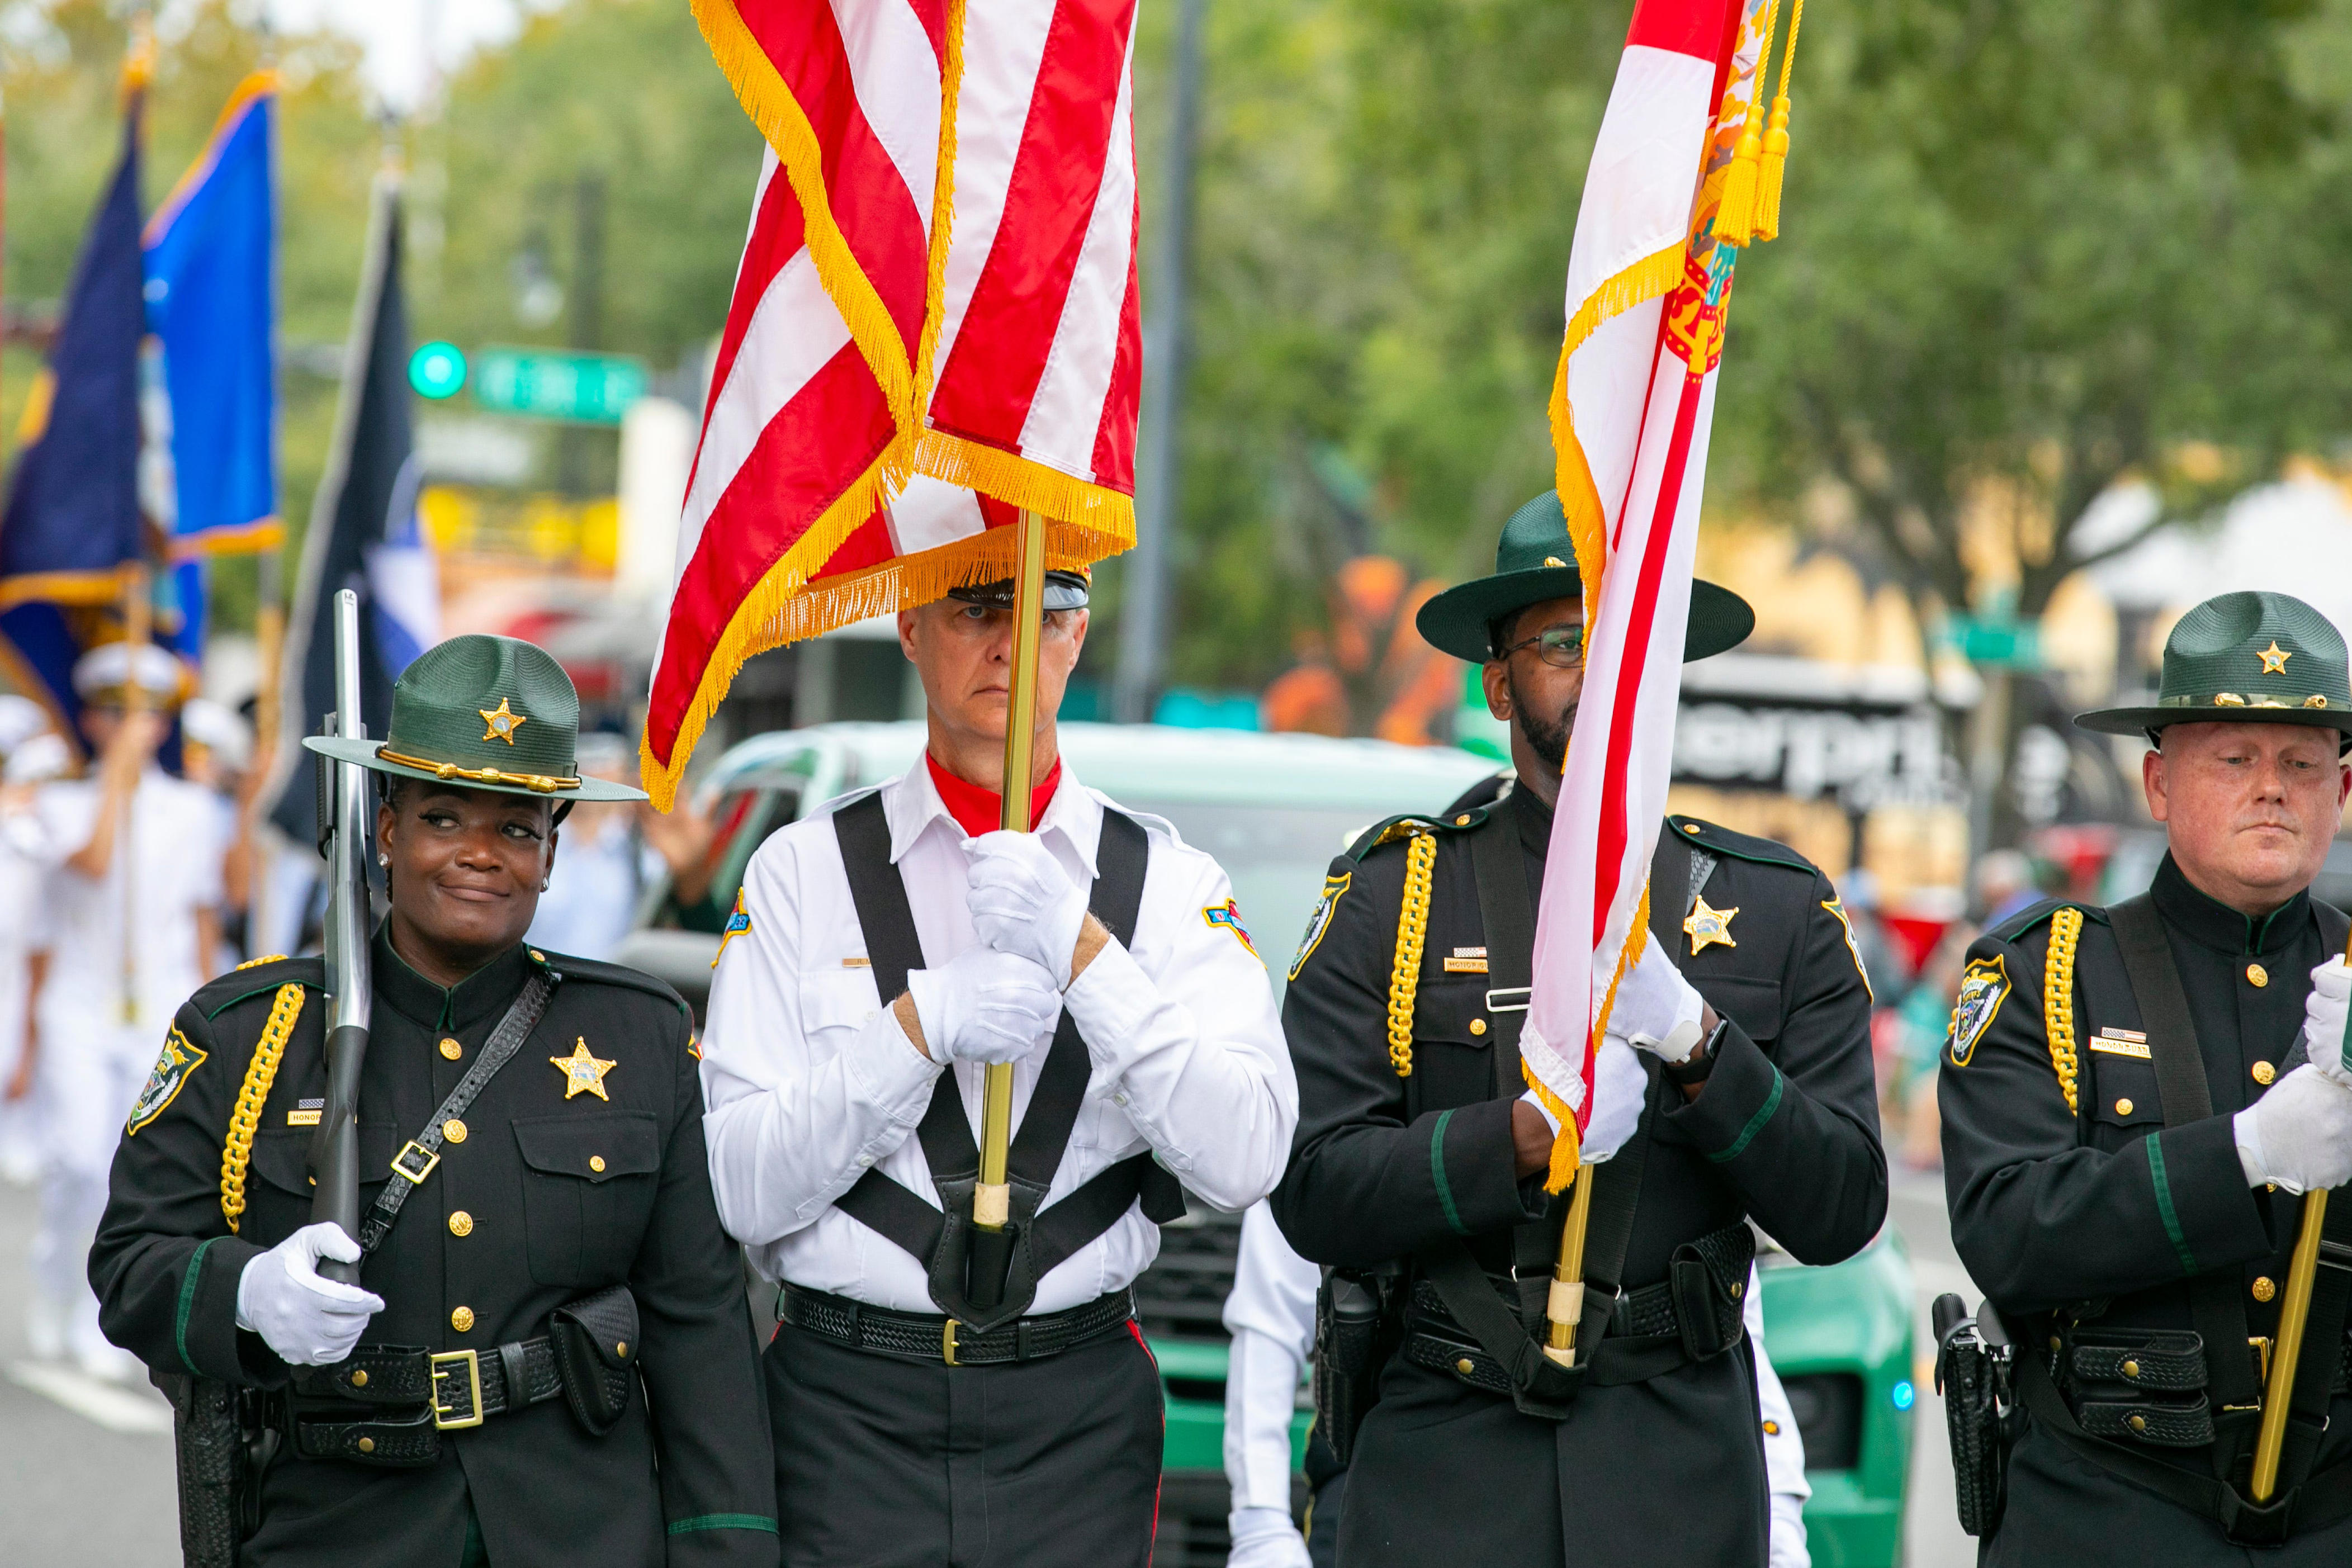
550	1195
1785	1130
2093	1220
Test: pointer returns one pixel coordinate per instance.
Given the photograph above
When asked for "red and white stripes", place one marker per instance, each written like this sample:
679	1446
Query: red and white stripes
935	323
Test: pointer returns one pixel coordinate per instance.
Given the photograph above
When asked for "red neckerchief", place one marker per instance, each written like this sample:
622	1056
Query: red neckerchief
978	811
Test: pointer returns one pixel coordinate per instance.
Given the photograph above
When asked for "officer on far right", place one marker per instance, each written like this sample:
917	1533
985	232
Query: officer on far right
2134	1101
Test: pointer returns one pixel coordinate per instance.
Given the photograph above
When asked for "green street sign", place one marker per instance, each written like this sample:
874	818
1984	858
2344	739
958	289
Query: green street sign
586	389
436	369
1997	643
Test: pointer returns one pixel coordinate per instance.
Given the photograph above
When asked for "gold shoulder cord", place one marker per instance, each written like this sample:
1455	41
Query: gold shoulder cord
2058	996
245	1119
1412	930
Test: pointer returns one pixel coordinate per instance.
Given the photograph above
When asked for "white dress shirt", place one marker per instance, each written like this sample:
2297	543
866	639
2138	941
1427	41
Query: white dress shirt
810	1081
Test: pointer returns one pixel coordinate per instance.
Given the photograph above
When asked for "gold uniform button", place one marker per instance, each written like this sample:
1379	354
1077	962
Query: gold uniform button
2263	1072
452	1050
2131	1369
595	1162
1772	1428
453	1130
2140	1423
2258	975
359	1379
367	1445
1465	1366
2122	1107
621	1349
461	1223
1477	1026
462	1320
1462	821
2266	1288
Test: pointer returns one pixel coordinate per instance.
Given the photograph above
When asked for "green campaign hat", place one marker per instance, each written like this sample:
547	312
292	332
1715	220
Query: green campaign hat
488	713
1535	560
2265	658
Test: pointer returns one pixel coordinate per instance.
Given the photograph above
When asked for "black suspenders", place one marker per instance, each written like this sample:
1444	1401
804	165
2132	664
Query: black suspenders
942	1237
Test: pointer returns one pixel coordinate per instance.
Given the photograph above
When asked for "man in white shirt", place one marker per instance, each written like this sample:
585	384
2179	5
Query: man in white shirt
131	926
1271	1315
895	935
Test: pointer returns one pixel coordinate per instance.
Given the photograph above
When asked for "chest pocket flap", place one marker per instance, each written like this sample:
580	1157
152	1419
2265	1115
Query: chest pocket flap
841	999
281	1156
2125	1088
1752	1003
596	1148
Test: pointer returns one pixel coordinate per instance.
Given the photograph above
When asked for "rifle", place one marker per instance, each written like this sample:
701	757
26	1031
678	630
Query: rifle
344	830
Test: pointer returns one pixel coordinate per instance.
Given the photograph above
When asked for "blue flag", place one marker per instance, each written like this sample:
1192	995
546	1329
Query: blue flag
212	301
71	533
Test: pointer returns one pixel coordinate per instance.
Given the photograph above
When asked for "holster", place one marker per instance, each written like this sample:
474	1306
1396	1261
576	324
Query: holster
222	1446
1355	1332
1973	1358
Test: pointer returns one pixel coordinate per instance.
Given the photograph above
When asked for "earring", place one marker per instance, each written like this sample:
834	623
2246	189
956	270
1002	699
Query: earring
545	883
384	861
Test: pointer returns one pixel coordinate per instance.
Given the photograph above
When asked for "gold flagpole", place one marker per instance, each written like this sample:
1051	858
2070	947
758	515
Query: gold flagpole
138	617
991	1196
1564	1309
2293	1314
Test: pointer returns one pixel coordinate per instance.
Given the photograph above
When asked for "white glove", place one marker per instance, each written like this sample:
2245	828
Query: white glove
984	1006
308	1319
1265	1537
2298	1135
1023	902
1656	1009
2324	1019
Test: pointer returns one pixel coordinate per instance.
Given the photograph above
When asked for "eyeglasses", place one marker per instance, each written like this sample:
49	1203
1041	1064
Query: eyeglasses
1561	647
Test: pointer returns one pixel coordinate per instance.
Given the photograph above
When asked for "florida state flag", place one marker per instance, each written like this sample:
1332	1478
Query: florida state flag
1648	281
934	325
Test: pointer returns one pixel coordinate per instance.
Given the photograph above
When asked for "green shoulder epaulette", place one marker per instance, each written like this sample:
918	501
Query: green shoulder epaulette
573	970
2023	924
1718	839
261	978
1411	824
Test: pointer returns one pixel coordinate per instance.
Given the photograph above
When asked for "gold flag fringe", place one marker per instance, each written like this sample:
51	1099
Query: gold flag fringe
770	103
935	286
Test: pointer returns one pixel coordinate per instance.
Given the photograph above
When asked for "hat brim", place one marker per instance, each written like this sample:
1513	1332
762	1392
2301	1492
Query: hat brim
1456	621
2140	720
364	753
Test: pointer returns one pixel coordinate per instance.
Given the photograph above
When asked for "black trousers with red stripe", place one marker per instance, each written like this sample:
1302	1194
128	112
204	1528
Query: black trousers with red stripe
883	1463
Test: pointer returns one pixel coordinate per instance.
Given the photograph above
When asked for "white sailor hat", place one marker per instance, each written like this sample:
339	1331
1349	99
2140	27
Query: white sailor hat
42	758
218	729
112	666
21	718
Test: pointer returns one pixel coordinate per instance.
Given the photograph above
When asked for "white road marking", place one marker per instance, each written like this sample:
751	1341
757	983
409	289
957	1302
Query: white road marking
111	1405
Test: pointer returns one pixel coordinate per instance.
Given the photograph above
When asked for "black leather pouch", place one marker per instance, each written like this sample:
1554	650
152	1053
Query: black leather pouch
596	1350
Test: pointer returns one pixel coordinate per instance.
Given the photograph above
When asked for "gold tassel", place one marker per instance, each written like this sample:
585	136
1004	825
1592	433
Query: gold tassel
1734	218
1775	138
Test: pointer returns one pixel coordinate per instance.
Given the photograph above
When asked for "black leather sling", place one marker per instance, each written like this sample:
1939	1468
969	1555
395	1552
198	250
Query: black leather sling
1042	1237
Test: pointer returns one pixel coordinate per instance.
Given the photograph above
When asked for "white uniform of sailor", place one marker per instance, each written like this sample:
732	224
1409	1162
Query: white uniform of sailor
123	957
811	1082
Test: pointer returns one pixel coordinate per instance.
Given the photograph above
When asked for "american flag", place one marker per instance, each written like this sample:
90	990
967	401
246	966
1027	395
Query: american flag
935	324
1647	286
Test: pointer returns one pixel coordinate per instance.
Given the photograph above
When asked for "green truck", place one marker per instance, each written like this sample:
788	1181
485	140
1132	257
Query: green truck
1274	810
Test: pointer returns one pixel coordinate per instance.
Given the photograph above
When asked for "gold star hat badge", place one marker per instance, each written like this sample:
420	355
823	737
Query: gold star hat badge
1706	926
2274	659
503	722
584	1073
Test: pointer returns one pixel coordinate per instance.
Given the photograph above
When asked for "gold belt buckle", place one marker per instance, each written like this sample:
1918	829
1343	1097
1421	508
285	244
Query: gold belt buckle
445	1365
416	1178
947	1342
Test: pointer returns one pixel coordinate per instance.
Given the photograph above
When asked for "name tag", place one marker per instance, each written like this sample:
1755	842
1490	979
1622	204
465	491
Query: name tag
857	963
306	1113
1465	966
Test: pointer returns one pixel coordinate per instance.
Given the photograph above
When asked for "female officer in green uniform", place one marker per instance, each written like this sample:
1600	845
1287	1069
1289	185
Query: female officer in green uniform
549	1358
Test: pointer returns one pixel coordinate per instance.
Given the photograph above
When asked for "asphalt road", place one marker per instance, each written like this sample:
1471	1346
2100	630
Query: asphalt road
86	1477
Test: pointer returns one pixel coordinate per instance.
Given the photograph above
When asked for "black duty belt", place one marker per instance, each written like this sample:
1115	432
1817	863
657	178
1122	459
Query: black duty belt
925	1337
422	1393
1695	1313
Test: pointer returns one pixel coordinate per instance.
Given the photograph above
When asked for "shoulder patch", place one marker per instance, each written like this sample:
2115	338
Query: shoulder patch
1718	839
739	924
1984	986
1321	921
180	1058
1228	916
1837	906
